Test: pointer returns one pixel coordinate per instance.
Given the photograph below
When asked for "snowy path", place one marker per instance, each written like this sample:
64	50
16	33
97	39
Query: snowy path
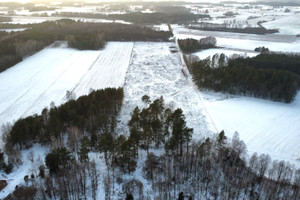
33	84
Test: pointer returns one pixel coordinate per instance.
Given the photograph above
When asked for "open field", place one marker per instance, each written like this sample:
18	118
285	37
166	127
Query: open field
33	84
265	126
243	42
155	71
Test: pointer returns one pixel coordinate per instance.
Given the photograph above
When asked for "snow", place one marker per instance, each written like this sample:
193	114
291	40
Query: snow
288	25
243	42
275	18
210	52
33	84
27	168
155	71
114	61
161	27
30	19
265	126
13	30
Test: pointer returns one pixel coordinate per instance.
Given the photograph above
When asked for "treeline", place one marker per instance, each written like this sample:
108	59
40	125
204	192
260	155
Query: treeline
5	19
220	28
93	113
190	45
286	62
217	169
141	18
79	35
266	76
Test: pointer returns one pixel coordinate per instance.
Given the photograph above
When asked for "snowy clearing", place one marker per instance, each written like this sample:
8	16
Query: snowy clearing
161	27
155	71
33	84
288	25
13	30
210	52
265	126
284	18
242	42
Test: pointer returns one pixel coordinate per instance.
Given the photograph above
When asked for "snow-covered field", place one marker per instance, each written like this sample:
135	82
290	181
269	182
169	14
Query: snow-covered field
13	30
30	19
247	15
33	84
31	160
288	25
161	27
229	53
236	41
265	126
155	71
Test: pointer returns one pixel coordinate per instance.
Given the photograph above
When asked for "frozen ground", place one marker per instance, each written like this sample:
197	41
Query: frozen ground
211	52
33	84
13	30
30	19
288	25
28	167
161	27
248	15
242	42
155	71
265	126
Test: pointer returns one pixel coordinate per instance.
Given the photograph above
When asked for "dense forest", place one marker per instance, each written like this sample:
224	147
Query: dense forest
141	18
5	19
80	35
92	113
159	147
270	76
190	45
286	62
248	30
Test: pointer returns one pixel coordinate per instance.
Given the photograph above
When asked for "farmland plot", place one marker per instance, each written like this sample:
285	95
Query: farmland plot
243	42
265	126
33	84
155	71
